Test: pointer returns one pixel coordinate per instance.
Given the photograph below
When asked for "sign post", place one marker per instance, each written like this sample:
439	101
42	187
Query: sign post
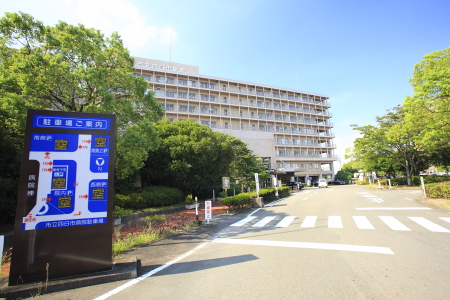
65	202
208	211
226	184
257	184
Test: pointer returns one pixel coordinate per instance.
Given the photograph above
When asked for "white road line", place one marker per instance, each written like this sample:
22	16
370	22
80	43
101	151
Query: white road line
309	221
392	208
263	221
429	225
286	221
393	223
243	221
253	212
324	246
334	222
146	275
408	199
445	219
362	222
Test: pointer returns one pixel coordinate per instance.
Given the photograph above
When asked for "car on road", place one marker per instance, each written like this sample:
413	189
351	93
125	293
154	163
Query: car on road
323	183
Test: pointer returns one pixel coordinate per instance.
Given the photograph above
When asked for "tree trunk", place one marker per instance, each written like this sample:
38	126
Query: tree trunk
408	172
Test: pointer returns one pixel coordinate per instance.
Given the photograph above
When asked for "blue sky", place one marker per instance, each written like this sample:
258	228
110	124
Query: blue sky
360	53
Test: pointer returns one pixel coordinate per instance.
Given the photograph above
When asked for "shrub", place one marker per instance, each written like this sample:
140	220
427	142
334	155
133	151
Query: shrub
239	201
438	190
153	196
362	182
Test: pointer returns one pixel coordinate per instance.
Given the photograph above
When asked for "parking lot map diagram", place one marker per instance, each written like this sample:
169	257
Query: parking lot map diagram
64	214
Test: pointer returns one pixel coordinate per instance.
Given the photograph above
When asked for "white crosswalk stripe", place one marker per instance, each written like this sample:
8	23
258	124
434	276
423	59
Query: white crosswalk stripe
393	223
335	222
264	221
361	222
428	224
309	221
286	221
243	221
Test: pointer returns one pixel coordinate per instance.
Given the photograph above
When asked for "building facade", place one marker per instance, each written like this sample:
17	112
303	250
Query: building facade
289	129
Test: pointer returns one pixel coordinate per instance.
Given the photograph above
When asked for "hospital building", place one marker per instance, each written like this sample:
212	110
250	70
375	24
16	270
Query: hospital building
289	129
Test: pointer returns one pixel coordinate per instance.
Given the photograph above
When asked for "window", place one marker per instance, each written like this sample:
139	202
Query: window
303	166
292	107
136	74
226	125
160	93
282	141
296	130
192	109
263	116
225	99
212	98
204	85
192	96
280	117
260	92
225	112
297	154
147	77
160	79
212	86
311	142
291	97
182	82
309	131
294	119
251	102
168	107
182	95
170	93
310	166
296	141
182	108
277	105
192	83
276	95
295	166
285	153
208	110
204	97
265	128
170	80
224	87
316	166
280	129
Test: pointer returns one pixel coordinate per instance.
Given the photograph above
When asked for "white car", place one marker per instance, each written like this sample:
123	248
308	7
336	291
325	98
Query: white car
323	183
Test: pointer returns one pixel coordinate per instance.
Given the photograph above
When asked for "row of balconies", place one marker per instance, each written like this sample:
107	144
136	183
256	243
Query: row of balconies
307	156
266	117
302	144
222	87
251	103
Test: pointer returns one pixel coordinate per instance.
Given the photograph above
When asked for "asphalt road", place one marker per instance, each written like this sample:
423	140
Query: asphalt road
340	242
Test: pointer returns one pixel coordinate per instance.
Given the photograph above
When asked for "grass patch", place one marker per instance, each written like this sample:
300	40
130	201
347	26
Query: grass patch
135	241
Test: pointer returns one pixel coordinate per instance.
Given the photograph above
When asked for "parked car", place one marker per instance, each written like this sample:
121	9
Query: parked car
323	183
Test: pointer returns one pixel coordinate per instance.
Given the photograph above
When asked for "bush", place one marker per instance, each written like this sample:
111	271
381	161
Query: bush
438	190
362	182
8	200
153	196
239	201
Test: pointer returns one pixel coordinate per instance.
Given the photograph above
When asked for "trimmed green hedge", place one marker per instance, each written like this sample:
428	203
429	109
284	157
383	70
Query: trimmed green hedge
416	180
438	190
152	196
246	199
362	182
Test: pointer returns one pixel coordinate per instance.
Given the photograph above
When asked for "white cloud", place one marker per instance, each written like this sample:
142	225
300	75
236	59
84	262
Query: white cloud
122	16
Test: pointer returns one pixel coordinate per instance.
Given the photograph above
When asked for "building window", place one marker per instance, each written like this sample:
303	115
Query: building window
280	117
168	107
170	93
296	141
204	97
192	83
295	166
204	84
208	110
182	108
212	98
265	128
316	166
212	86
226	125
171	119
310	166
280	129
309	131
277	105
303	166
192	109
225	99
160	79
160	93
225	112
182	82
294	119
192	96
282	141
136	74
147	77
182	95
224	87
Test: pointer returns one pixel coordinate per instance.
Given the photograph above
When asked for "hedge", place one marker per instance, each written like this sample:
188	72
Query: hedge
438	190
153	196
246	199
416	180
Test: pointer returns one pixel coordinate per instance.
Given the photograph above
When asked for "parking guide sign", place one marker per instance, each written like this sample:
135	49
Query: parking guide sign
65	195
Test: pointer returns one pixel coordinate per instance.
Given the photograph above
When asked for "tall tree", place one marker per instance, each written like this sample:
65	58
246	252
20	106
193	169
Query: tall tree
428	109
193	158
74	68
389	143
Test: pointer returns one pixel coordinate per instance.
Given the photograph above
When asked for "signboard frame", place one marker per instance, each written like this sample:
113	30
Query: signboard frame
75	244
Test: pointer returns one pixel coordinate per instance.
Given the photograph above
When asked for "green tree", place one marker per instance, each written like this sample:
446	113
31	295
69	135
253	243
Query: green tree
74	68
193	158
387	144
428	109
68	68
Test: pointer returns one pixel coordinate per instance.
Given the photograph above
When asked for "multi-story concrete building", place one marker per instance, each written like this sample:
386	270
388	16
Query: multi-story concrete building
289	129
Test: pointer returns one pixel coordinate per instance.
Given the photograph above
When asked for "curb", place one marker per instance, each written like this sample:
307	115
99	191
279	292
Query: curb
120	271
